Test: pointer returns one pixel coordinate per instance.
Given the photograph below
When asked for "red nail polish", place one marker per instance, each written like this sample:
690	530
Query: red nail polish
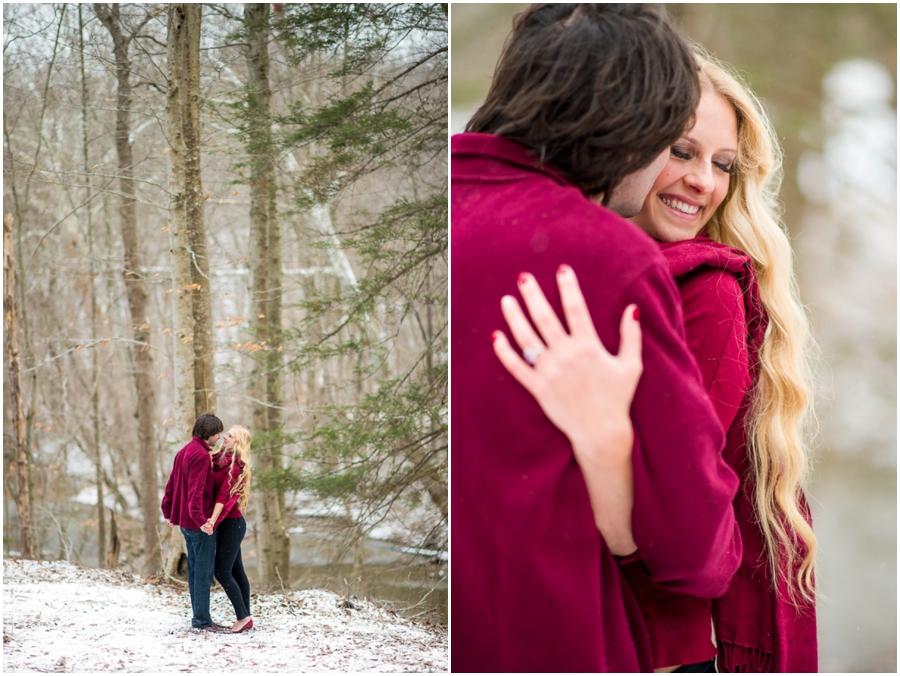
494	336
562	268
636	314
523	277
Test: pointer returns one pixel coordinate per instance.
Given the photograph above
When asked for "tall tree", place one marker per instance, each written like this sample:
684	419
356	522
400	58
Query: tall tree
134	277
386	120
183	312
195	227
22	205
265	241
95	367
10	321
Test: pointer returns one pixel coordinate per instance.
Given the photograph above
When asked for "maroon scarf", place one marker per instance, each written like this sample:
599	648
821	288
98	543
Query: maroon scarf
222	459
757	628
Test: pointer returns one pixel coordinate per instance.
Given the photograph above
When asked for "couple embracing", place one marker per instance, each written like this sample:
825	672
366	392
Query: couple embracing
206	495
644	511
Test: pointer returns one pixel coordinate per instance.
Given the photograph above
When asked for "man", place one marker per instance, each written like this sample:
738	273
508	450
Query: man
189	503
584	100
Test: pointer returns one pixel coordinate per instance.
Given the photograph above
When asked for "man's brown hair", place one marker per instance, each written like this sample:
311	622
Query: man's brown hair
597	90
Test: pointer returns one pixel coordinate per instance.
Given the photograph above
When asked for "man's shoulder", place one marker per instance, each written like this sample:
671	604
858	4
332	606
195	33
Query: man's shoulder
192	451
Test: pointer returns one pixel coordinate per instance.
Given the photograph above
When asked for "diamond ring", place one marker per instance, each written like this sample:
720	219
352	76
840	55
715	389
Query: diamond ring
532	353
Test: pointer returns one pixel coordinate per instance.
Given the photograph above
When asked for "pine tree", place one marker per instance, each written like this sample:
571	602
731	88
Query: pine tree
383	441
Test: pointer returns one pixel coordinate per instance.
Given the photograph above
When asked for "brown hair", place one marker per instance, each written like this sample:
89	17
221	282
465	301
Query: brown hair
598	90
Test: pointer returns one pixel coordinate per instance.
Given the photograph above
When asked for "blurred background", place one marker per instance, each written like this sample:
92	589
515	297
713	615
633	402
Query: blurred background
826	74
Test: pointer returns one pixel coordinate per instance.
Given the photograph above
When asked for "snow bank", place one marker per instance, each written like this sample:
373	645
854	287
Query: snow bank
63	618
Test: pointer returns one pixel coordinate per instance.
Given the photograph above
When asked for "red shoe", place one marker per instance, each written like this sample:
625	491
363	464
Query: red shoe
247	626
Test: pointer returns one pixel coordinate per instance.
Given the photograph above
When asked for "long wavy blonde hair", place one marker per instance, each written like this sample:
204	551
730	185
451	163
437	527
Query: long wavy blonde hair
241	450
779	423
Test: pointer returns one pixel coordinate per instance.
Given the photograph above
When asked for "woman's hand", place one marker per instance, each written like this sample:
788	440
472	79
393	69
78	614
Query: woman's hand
583	389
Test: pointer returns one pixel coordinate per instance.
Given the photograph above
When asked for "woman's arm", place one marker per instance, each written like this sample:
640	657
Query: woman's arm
584	390
216	512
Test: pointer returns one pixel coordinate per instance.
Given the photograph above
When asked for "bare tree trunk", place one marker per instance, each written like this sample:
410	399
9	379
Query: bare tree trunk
10	319
265	237
186	411
21	206
114	544
95	389
194	345
134	284
189	90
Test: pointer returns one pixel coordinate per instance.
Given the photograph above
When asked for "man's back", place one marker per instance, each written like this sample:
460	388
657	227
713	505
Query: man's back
534	586
188	499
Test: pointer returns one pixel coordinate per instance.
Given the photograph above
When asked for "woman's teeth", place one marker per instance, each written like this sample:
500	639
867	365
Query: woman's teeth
680	206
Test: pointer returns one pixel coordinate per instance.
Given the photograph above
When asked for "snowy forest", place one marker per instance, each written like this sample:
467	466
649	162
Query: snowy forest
239	209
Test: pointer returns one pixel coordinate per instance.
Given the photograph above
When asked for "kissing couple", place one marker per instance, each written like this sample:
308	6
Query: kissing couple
206	496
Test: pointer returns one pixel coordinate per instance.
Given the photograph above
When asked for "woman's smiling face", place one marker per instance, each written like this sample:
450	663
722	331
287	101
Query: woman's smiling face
695	179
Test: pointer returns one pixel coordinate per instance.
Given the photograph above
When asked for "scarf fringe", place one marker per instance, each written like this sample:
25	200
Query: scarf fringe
739	659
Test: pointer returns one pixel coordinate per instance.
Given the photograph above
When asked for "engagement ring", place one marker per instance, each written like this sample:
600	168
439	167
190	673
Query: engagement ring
532	353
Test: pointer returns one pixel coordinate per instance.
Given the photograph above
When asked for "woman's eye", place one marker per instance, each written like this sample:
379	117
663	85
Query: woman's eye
681	154
728	169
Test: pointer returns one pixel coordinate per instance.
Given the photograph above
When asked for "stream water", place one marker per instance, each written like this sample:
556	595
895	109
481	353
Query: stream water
412	585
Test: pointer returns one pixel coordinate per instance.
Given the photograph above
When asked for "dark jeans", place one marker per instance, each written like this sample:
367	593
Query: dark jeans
229	568
201	559
699	668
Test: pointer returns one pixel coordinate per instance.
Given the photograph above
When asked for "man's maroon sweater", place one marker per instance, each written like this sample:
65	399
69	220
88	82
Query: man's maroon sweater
535	588
189	497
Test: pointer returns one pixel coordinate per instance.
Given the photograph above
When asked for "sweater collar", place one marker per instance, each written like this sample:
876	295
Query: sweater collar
203	443
498	147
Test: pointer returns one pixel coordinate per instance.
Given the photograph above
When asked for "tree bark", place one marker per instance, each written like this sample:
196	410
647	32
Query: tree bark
114	544
21	206
10	319
265	242
189	90
95	389
186	411
134	284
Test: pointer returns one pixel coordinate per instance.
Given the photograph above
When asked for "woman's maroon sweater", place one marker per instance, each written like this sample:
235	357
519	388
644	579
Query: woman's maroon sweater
224	477
757	628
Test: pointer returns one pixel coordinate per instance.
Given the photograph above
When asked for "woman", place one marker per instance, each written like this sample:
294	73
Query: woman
231	485
714	210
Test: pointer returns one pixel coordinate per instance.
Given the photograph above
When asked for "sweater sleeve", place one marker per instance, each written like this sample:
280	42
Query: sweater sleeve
682	520
225	489
716	326
167	497
198	469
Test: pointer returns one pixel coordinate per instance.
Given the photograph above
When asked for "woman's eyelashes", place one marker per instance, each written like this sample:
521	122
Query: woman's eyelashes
686	154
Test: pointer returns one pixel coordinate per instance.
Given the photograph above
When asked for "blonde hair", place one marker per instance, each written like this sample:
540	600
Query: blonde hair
750	219
241	450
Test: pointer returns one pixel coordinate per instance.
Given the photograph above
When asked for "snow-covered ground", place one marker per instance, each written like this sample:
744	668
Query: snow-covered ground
58	617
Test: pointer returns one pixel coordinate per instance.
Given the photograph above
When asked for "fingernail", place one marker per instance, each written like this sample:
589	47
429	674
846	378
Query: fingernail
563	268
494	336
636	314
523	277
